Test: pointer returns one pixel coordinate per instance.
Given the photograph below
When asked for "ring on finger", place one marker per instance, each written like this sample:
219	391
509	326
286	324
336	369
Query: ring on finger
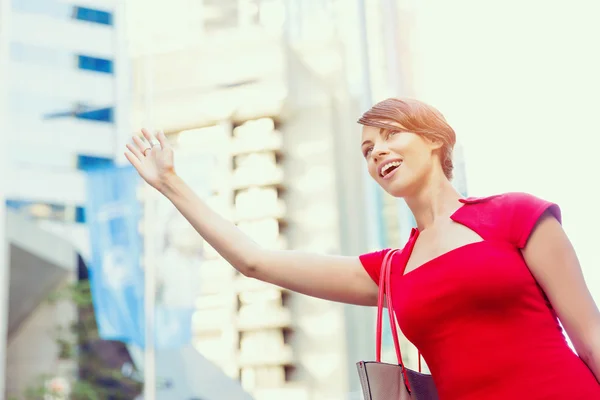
154	143
145	150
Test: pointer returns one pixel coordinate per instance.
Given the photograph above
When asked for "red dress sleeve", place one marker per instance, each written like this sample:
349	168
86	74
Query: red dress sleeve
526	212
372	263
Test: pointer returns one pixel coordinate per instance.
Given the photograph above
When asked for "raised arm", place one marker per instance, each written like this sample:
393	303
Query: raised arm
336	278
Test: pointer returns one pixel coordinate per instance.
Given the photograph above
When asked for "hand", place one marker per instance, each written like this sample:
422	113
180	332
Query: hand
153	159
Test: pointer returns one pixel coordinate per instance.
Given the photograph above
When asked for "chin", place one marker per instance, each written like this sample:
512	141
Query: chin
399	193
402	186
396	189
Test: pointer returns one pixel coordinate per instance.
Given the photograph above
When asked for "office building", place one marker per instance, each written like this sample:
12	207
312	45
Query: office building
63	90
249	90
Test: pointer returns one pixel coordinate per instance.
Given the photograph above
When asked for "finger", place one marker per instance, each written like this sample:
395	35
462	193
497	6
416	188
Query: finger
147	135
133	149
140	144
162	139
137	164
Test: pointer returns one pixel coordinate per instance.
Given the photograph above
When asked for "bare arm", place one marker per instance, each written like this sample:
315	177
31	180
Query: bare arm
552	260
336	278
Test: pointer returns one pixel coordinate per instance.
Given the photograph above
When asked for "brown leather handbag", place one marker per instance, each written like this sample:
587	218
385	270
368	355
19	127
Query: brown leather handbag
382	381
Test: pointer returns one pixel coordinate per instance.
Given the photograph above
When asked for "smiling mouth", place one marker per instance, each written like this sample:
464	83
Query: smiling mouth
389	168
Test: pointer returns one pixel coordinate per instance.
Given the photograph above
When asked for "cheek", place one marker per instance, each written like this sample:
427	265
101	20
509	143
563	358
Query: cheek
415	168
402	143
372	169
408	144
418	157
418	164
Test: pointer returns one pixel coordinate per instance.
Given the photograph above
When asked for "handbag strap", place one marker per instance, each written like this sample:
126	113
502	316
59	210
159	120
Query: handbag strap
385	294
385	266
384	285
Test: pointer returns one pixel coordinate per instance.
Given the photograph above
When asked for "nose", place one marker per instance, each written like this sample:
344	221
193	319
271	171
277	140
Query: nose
380	151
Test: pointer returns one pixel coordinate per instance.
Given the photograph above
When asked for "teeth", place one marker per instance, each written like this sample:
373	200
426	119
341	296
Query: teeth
386	167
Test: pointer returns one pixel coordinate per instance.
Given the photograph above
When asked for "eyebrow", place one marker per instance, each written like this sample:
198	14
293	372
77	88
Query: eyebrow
365	142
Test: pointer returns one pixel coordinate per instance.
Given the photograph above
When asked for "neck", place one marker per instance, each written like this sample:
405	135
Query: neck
434	201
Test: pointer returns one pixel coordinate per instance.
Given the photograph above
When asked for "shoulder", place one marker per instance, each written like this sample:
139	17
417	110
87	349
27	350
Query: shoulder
513	202
372	262
511	216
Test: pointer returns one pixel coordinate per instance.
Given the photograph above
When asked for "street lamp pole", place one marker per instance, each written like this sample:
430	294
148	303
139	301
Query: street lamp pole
4	182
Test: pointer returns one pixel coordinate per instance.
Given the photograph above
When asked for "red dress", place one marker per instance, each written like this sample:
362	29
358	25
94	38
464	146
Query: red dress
482	323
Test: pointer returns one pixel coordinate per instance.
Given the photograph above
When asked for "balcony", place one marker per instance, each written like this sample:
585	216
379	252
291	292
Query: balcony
212	320
258	203
262	378
260	356
216	276
218	349
275	210
244	284
219	204
216	269
214	301
265	230
267	177
281	243
246	144
256	169
250	319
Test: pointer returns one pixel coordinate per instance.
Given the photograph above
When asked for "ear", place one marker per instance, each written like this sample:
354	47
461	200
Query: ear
434	144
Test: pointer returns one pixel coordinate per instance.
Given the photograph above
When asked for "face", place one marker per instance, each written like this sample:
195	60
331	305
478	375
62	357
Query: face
398	161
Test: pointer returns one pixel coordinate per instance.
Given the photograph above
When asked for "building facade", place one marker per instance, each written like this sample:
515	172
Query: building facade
251	92
63	90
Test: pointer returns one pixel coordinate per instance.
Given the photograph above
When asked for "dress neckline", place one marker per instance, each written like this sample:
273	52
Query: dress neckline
415	232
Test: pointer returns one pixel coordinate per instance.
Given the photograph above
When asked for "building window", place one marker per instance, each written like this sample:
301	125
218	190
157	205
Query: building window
80	215
86	163
92	15
41	211
95	64
101	114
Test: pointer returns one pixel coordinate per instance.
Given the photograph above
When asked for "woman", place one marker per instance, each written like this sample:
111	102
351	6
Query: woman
486	280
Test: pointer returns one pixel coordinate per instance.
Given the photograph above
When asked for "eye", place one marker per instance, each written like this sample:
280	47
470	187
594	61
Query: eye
367	151
391	133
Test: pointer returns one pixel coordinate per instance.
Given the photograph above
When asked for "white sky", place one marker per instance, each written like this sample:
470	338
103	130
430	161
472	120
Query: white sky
520	82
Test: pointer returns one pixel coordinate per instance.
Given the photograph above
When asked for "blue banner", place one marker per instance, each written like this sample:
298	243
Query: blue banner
117	281
113	214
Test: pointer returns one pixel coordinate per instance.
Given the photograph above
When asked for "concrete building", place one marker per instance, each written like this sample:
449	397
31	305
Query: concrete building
65	107
275	98
61	109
